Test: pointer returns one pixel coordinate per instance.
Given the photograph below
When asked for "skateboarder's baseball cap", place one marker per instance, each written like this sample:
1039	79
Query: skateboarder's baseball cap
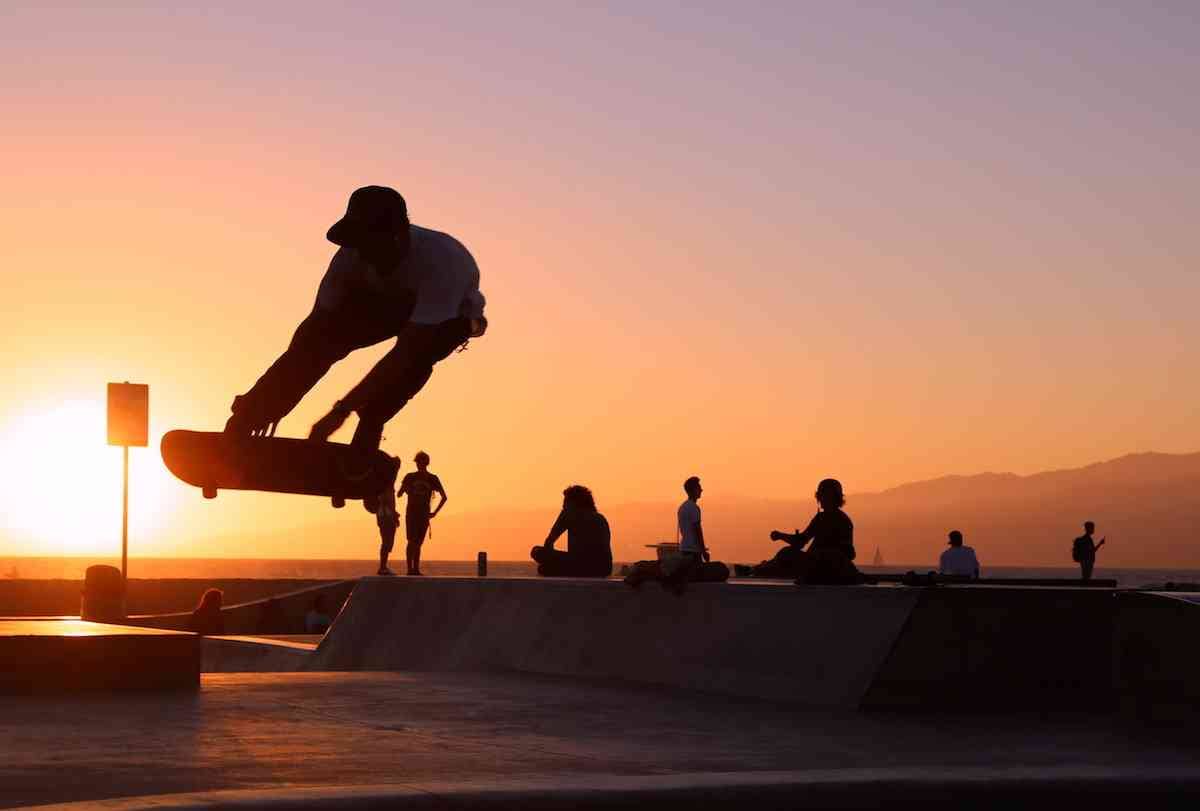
372	211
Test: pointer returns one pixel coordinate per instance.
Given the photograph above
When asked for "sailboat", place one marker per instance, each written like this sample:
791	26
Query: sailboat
878	559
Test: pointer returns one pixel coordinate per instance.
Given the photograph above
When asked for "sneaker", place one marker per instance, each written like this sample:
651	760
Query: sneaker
742	570
385	572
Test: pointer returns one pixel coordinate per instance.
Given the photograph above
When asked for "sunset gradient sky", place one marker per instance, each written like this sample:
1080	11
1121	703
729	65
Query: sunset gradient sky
762	243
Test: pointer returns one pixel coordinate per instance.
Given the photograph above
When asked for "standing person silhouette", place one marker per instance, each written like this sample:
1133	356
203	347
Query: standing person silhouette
388	520
419	486
388	279
1083	551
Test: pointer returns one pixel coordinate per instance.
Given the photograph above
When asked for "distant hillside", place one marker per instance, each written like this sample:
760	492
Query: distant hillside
1148	505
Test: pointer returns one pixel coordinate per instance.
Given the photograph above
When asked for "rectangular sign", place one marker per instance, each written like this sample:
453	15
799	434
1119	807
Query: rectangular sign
128	414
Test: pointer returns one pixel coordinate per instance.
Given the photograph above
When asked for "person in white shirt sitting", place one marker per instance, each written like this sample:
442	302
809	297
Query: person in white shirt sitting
958	560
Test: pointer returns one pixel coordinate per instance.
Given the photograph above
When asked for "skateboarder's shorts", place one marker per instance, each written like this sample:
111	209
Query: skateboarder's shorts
416	525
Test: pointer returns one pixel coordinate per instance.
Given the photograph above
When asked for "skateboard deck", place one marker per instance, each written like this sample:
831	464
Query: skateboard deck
212	461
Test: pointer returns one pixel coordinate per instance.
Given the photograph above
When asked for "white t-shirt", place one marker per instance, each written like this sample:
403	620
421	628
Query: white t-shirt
959	560
689	520
438	267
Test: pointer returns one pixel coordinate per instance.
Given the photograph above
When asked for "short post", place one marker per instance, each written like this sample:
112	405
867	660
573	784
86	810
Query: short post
481	564
128	424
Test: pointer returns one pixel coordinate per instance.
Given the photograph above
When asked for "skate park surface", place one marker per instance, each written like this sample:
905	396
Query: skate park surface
463	692
315	739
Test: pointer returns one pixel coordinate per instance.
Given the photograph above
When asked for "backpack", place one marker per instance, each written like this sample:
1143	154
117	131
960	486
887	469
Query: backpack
1079	549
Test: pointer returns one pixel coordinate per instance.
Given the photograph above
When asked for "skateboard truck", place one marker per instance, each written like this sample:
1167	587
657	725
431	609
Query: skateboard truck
209	492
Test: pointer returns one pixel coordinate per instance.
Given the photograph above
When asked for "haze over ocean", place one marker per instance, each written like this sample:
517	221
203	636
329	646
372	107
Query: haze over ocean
72	568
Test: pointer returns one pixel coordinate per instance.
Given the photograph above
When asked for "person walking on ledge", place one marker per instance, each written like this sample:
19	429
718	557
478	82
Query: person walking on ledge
419	486
958	560
1083	551
589	541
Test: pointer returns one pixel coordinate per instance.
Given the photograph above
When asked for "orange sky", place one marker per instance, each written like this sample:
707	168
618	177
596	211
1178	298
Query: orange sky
764	248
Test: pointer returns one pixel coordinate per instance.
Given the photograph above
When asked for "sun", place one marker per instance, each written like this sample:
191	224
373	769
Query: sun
60	484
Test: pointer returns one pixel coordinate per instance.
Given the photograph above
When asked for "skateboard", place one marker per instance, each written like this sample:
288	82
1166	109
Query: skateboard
213	460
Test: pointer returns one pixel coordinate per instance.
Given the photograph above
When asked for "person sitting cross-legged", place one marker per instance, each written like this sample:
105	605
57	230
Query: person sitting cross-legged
589	541
829	559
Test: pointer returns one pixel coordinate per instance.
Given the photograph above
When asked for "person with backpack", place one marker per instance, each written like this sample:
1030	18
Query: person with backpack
1083	551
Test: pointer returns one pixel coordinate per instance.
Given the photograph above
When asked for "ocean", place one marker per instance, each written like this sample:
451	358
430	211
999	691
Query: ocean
72	568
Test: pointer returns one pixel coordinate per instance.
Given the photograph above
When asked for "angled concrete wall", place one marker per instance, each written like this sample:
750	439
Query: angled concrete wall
815	646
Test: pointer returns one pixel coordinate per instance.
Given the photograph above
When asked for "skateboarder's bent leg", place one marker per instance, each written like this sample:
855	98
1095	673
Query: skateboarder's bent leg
320	341
394	380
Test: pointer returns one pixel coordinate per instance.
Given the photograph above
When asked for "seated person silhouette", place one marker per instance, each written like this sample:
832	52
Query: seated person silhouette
207	619
589	542
317	619
958	560
829	558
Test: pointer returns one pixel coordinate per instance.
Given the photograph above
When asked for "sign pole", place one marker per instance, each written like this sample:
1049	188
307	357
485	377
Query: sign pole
125	514
128	424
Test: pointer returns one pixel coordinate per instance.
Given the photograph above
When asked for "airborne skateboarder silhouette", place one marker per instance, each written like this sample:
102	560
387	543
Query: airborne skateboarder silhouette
388	279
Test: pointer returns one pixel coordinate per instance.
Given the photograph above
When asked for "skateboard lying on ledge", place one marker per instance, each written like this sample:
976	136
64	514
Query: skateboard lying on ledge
213	460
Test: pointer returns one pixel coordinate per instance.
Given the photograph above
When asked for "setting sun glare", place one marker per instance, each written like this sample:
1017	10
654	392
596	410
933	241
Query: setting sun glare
62	483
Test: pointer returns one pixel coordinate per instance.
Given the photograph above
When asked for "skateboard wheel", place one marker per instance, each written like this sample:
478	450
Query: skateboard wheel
338	502
209	492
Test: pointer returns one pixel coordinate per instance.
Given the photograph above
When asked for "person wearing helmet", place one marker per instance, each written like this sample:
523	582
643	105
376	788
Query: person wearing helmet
389	279
830	555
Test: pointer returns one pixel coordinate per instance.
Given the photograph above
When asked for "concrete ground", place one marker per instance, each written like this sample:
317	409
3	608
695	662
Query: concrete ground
288	731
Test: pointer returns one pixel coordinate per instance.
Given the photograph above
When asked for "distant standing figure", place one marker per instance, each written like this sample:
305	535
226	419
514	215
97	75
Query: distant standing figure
419	486
829	559
958	560
1083	551
207	618
317	620
388	520
589	540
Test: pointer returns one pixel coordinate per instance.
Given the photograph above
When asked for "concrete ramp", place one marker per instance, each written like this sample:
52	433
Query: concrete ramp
818	646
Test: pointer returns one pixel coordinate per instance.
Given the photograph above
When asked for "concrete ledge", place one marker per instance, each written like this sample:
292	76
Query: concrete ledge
996	649
817	646
934	788
74	655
